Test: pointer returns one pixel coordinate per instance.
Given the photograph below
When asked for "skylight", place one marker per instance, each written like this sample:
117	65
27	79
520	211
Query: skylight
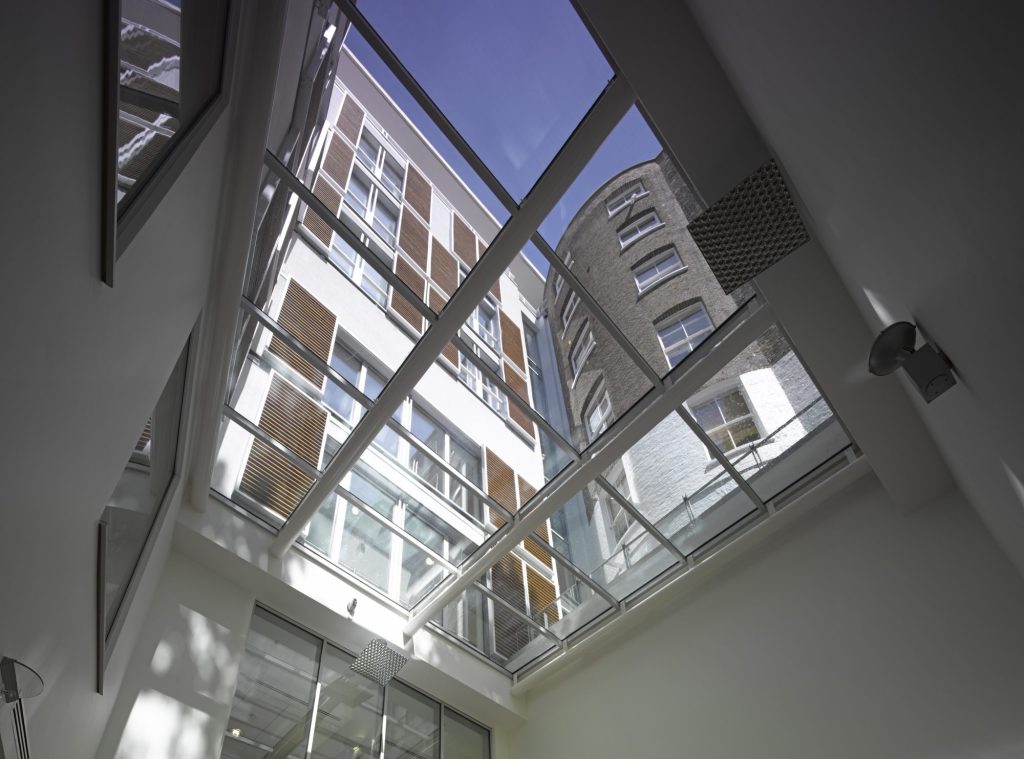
490	413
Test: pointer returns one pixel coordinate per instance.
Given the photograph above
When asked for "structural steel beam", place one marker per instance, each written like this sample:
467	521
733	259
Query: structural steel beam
746	325
609	109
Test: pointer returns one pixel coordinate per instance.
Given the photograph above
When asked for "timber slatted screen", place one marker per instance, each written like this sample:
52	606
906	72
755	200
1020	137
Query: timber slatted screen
501	486
542	531
417	192
496	287
512	340
413	239
146	436
400	305
542	597
314	223
515	381
510	632
338	160
296	422
444	269
350	119
464	241
311	323
436	303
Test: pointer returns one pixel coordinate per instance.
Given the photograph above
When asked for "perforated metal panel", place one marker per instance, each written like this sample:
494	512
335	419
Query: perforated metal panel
750	228
379	662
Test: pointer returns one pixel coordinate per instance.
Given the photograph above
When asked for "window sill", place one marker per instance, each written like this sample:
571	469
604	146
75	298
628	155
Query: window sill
658	283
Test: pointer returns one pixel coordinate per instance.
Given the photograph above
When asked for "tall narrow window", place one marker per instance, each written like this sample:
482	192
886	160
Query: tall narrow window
381	163
581	349
658	269
599	414
568	309
681	334
639	228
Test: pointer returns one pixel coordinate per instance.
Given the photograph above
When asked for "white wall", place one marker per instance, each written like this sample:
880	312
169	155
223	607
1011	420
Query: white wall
84	363
899	124
858	632
176	695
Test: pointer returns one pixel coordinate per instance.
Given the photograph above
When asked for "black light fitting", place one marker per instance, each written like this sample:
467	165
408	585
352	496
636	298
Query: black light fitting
927	366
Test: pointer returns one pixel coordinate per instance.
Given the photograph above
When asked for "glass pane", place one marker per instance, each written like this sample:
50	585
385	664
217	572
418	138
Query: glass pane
559	600
672	479
622	227
390	556
526	102
468	619
149	72
273	699
350	707
255	476
463	738
412	729
598	380
382	176
766	413
133	507
600	538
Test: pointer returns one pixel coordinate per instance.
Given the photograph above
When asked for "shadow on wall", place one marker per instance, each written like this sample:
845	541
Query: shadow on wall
176	695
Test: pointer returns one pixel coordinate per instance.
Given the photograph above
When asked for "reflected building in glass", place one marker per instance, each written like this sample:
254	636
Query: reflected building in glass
459	457
340	290
629	248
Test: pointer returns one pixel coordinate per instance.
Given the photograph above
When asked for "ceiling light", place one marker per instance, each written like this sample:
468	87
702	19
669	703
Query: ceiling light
235	732
927	366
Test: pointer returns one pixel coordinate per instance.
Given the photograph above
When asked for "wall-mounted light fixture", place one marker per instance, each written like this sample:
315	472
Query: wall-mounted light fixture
927	366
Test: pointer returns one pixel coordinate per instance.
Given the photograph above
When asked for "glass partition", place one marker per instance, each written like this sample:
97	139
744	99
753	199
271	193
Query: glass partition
297	696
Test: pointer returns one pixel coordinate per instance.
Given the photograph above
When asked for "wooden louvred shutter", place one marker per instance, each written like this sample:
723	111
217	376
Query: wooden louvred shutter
541	533
312	220
512	340
413	238
417	192
437	302
295	421
464	241
399	304
518	384
146	436
338	160
501	485
444	269
510	632
496	285
310	322
542	597
350	119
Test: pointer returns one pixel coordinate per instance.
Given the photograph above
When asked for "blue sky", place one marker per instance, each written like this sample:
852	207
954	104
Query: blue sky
514	79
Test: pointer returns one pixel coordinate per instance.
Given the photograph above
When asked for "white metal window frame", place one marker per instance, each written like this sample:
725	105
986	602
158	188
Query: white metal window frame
525	217
626	196
602	402
568	310
352	265
660	273
581	350
376	158
690	342
639	228
716	394
452	488
368	212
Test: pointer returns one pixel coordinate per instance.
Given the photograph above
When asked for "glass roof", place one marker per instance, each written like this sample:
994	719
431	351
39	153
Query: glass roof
512	440
515	96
